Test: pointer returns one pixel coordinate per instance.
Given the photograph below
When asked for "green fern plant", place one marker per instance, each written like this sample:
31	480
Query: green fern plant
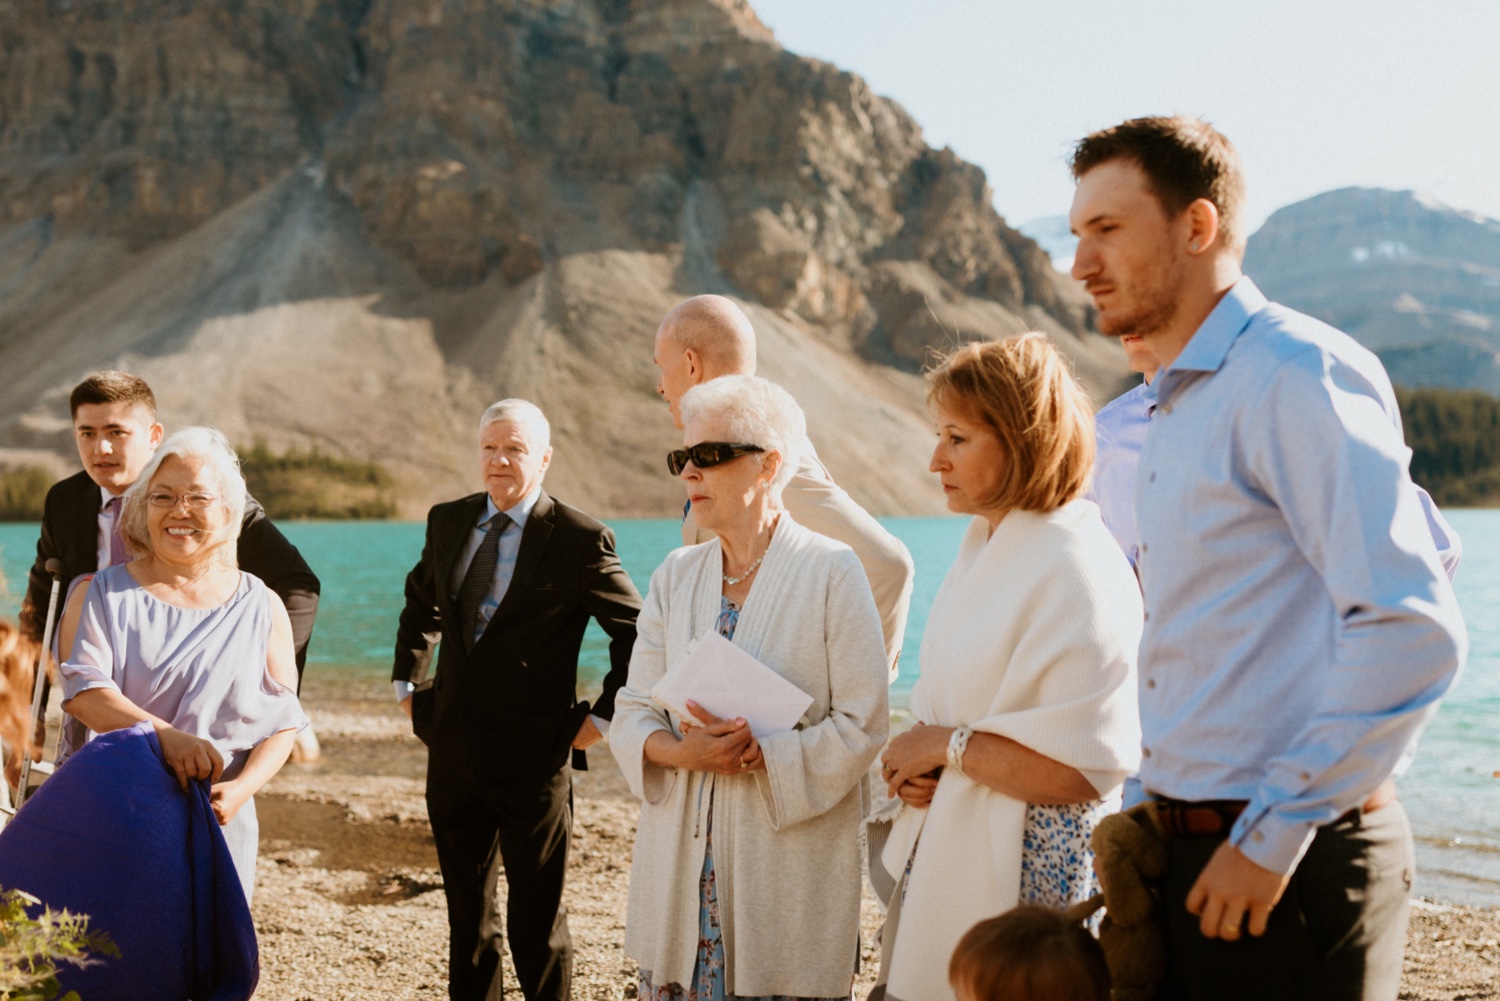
32	949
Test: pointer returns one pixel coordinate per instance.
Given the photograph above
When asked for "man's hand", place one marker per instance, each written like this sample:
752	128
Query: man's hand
406	706
588	735
189	757
1230	888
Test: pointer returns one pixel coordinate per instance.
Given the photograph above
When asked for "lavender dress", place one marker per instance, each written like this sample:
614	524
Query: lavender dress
203	670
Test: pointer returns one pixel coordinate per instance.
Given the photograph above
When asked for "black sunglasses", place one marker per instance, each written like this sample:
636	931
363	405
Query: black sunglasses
707	453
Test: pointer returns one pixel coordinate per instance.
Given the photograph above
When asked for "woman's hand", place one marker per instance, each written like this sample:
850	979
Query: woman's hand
915	755
226	798
725	747
189	757
918	792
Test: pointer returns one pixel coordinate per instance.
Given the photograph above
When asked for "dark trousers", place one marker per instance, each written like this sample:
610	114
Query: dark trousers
523	830
1339	931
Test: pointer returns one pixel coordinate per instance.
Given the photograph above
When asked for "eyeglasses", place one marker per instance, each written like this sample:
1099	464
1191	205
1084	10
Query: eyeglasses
194	502
706	454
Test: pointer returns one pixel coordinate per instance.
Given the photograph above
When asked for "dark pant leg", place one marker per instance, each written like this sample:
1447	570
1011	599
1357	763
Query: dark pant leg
1338	933
534	832
465	829
1359	922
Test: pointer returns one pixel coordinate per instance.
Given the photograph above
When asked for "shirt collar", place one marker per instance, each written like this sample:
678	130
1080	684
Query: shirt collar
518	513
1206	350
105	497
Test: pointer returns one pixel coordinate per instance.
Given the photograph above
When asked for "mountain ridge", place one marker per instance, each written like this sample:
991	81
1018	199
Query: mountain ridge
1411	278
350	225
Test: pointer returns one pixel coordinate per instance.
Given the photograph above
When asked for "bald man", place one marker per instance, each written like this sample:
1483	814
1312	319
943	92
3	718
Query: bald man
708	336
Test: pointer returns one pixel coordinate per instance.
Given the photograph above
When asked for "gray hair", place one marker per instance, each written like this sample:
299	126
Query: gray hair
753	411
210	447
522	412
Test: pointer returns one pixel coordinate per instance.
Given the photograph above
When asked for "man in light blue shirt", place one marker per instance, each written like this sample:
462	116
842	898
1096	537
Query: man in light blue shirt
1300	629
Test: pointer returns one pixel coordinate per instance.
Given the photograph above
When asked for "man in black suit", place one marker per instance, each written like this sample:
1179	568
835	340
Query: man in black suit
508	580
116	431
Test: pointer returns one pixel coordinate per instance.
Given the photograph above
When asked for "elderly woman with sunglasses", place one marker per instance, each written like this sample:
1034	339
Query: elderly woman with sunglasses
746	877
183	641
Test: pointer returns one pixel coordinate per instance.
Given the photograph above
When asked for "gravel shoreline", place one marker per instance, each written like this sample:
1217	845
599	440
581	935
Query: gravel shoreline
349	902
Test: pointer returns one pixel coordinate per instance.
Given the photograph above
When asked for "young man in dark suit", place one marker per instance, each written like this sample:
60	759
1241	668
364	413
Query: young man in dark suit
507	581
116	431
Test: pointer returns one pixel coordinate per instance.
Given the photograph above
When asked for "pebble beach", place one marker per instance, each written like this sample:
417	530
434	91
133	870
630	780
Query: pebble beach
349	901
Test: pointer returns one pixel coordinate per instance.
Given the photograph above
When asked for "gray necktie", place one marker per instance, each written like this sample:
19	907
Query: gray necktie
117	552
480	577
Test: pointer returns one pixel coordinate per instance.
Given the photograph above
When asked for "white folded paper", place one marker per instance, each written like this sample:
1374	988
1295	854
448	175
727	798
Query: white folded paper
730	683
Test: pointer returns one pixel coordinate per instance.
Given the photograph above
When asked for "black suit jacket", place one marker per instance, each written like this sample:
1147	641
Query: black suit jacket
508	709
70	533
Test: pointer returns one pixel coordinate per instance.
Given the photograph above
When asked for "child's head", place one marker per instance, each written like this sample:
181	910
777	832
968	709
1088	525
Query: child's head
1029	954
17	657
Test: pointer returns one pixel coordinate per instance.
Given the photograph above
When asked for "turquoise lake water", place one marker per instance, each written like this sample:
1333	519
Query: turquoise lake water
1453	800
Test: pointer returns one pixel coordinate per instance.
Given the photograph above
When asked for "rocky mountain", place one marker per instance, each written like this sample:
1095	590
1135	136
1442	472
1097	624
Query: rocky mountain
350	224
1414	280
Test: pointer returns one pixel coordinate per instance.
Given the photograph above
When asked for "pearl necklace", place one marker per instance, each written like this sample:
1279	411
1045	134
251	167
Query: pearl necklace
731	581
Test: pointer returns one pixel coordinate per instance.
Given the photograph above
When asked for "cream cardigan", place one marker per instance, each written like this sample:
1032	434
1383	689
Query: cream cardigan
786	840
1032	636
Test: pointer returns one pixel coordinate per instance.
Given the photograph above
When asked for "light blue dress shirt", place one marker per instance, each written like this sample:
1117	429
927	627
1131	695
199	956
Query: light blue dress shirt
1300	630
1120	434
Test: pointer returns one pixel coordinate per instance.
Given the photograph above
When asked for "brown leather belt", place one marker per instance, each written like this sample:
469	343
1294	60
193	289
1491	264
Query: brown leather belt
1214	817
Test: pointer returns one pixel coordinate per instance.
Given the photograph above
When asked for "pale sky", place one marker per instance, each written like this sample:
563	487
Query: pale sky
1317	94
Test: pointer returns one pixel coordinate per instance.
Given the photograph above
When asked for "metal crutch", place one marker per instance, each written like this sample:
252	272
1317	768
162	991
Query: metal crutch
54	569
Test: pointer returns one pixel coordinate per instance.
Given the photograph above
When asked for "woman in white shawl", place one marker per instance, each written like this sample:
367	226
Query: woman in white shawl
746	876
1026	703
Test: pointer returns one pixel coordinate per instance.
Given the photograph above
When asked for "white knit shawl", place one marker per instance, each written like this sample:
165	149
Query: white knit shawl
1032	636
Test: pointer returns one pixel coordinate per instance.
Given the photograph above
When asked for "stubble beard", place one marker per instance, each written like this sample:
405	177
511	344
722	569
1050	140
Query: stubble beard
1158	301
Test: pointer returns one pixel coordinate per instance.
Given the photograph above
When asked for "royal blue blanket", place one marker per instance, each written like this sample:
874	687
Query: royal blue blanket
112	836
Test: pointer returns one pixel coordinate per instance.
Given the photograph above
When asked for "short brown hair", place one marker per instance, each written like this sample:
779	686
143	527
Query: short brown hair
112	387
1022	389
1184	159
1030	954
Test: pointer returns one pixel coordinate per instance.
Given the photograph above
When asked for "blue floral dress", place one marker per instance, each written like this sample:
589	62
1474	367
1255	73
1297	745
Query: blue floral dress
708	970
1057	864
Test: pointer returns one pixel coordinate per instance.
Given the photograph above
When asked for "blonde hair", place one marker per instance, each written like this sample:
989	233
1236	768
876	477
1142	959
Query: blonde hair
1022	389
17	675
218	456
